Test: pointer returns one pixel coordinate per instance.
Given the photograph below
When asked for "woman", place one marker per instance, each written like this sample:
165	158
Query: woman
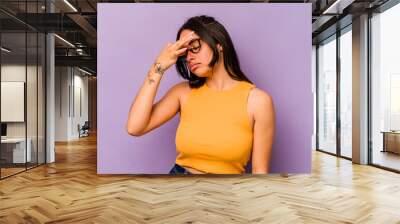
224	118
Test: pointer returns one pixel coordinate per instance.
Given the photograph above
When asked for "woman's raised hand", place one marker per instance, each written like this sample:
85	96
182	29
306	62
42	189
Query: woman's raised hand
171	52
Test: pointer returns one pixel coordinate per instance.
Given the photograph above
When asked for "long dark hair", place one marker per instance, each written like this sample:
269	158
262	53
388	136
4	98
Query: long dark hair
212	32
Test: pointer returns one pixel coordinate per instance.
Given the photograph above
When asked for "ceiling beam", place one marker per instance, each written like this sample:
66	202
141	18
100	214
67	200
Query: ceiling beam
86	26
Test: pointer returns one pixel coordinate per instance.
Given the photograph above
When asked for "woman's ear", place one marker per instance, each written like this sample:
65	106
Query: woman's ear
219	47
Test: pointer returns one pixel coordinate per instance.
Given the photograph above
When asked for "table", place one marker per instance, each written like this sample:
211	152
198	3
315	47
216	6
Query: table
15	148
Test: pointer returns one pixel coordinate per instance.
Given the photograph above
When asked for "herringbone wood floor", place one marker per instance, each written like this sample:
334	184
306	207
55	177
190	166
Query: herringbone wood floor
70	191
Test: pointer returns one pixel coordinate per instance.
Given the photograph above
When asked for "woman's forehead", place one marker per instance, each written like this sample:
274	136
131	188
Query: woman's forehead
185	32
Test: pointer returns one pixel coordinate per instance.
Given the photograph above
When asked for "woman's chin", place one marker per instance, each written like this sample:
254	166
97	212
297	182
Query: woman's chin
201	74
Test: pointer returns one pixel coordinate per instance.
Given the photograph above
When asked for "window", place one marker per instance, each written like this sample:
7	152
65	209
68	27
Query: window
327	95
346	92
385	88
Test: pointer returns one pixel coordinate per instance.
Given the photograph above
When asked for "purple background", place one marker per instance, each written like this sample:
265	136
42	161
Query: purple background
273	42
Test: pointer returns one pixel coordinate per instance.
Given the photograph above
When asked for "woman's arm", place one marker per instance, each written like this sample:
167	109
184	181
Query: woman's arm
264	130
143	116
141	108
161	112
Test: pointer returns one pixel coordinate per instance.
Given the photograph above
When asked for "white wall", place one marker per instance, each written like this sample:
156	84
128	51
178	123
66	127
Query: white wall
62	80
71	93
81	102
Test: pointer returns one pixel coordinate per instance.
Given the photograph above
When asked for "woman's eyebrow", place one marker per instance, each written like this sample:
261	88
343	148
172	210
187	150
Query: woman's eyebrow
194	40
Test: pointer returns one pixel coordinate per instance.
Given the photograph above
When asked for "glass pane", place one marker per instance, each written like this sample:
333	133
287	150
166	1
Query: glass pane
31	85
13	86
31	101
346	93
327	96
386	89
22	88
41	98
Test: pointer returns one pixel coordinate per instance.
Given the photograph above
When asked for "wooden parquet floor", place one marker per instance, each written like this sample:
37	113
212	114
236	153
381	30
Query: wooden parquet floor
70	191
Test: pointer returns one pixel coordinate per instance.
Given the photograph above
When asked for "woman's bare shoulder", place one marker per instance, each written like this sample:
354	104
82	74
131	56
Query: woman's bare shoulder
181	87
181	90
259	97
183	84
258	93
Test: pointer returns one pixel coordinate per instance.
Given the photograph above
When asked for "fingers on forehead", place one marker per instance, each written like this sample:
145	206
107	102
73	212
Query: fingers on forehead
186	42
188	35
194	40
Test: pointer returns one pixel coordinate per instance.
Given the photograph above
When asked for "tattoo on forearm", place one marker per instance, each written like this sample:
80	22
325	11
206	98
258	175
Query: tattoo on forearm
151	81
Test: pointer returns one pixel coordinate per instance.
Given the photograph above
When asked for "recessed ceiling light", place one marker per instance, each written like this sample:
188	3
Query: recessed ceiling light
86	72
337	6
70	5
64	40
5	50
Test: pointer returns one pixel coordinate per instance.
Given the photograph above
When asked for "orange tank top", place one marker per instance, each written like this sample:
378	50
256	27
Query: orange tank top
214	134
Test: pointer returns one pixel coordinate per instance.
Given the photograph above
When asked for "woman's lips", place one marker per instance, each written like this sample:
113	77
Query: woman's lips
194	66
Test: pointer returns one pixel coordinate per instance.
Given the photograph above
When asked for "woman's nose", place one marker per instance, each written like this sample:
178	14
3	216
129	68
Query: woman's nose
189	56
